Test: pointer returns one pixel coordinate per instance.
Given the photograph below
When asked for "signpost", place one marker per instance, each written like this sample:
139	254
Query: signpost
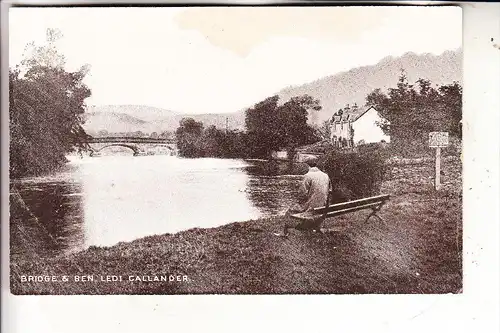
438	140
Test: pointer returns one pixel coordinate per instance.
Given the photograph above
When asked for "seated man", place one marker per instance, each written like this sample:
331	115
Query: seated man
314	191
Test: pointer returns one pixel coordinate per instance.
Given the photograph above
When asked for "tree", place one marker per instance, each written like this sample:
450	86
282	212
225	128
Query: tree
451	103
293	130
189	136
261	124
325	130
214	142
153	135
410	112
166	135
103	133
45	55
195	141
46	110
271	127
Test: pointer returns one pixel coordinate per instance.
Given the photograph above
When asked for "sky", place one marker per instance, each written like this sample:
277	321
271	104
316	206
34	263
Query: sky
224	59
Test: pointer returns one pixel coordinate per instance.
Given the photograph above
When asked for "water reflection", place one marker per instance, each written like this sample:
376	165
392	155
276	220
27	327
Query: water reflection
158	194
105	200
272	195
46	218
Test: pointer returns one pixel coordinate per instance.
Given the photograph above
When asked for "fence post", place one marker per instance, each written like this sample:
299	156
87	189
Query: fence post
438	168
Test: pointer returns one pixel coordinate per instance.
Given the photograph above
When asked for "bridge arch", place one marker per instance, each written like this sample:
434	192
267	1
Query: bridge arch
139	145
131	147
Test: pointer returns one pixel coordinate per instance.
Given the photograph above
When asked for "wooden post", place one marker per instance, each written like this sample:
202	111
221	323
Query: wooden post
438	140
438	168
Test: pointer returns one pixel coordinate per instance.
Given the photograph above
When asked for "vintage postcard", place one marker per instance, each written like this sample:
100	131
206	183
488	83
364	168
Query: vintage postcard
235	150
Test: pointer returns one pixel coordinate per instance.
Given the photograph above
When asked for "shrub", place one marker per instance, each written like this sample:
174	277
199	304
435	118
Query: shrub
320	147
276	168
355	174
419	147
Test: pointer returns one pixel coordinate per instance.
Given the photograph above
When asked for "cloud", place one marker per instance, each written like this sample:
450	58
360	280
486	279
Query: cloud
217	59
241	29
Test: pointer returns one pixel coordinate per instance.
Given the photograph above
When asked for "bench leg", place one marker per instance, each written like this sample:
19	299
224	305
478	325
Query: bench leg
289	224
314	225
317	225
378	216
374	213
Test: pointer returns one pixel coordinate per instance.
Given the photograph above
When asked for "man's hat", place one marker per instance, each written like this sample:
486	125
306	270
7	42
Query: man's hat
312	161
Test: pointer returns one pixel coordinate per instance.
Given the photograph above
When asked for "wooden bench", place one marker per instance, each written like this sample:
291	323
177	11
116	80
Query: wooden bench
313	219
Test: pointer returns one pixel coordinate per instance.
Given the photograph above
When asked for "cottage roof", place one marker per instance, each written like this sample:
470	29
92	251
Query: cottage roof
343	118
352	115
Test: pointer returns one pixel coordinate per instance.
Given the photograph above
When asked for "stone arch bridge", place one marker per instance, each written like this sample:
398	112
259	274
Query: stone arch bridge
137	145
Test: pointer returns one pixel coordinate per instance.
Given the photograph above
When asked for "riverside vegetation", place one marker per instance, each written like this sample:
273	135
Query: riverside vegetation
46	107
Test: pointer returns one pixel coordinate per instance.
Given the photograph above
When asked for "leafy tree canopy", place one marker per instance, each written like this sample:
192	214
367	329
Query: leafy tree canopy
46	109
189	138
272	127
411	111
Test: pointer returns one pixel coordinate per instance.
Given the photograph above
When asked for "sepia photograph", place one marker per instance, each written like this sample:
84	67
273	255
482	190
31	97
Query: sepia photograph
235	150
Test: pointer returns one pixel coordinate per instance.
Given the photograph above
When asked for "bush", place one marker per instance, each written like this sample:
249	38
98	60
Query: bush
355	174
320	147
277	168
418	147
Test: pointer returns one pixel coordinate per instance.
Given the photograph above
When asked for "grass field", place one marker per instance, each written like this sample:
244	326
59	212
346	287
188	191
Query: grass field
418	249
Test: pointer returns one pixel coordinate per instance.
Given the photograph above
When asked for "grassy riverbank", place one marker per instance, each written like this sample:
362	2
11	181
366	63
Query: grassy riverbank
417	250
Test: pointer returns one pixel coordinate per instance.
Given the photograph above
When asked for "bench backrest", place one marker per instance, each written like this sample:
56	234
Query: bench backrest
351	206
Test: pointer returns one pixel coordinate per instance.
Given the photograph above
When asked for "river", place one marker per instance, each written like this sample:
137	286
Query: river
105	200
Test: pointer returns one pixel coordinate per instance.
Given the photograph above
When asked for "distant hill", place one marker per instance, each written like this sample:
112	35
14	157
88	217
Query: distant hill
132	118
113	122
334	92
143	112
353	86
235	120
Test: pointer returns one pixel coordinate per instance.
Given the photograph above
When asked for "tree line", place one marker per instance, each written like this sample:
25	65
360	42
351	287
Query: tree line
269	127
409	112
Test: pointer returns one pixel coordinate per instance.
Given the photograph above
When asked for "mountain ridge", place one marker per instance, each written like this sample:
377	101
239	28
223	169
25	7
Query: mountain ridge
352	86
334	92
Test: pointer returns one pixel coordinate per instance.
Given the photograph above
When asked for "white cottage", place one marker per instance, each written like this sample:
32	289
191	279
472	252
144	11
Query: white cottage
357	126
